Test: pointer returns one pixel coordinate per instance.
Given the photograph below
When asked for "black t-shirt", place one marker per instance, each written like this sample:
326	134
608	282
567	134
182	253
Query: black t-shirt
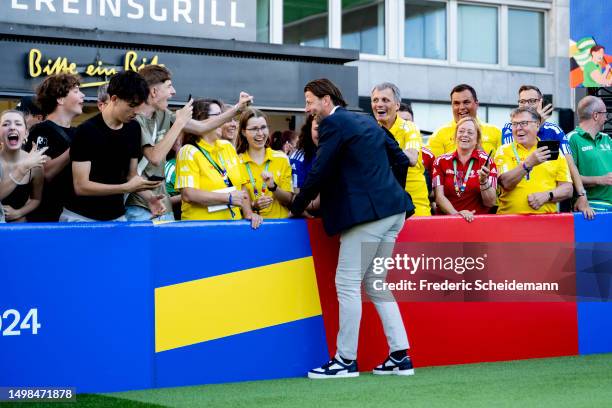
110	152
57	191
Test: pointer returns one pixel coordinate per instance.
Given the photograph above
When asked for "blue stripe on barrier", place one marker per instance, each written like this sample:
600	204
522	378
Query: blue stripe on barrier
196	250
594	283
92	288
286	350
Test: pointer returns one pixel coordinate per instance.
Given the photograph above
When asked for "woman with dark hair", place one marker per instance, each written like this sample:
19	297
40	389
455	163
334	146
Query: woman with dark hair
209	174
269	172
24	176
284	141
301	160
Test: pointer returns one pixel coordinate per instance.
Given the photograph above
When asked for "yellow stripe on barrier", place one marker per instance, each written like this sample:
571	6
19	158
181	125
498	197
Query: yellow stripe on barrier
238	302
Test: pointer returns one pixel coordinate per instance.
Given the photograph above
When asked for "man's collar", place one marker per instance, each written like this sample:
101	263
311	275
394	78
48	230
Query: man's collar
333	110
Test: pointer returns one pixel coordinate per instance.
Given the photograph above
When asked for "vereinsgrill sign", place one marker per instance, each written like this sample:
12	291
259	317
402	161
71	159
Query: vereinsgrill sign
220	19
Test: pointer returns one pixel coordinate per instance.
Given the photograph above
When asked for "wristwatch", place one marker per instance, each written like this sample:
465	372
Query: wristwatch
581	193
273	188
550	196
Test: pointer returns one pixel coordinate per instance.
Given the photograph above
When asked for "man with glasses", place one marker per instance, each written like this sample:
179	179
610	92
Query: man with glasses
531	97
531	183
592	151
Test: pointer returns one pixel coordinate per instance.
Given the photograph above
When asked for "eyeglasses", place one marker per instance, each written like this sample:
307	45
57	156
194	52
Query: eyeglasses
261	129
213	114
522	124
528	101
605	113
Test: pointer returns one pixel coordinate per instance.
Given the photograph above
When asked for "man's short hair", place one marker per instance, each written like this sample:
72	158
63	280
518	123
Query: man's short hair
103	93
128	86
596	48
406	107
587	106
155	74
388	85
464	87
322	87
54	87
530	88
534	113
29	106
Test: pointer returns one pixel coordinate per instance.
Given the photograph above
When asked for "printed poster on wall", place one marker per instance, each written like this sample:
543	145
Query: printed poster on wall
590	48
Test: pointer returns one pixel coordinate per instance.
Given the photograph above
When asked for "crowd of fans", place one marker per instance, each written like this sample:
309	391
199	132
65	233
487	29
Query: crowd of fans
137	160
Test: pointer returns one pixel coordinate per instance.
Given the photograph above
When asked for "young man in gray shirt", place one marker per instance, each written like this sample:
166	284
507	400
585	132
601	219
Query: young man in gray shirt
160	129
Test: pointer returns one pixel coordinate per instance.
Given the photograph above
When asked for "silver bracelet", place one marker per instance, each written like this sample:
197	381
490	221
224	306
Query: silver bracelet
15	181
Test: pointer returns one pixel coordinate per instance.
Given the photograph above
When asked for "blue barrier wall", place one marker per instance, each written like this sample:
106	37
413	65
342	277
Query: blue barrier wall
594	283
91	286
95	287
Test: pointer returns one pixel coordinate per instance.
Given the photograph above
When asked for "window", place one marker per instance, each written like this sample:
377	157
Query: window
305	22
363	26
525	38
425	29
477	34
263	20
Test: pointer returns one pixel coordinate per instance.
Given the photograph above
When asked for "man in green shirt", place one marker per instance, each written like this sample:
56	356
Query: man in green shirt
592	152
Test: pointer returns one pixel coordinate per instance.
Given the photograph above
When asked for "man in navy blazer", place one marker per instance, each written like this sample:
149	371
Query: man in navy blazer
362	200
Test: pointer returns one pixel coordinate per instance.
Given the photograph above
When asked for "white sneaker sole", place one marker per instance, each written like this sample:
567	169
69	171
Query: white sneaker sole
316	376
394	372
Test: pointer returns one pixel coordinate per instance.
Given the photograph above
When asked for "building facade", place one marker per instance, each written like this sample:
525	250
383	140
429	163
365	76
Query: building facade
270	48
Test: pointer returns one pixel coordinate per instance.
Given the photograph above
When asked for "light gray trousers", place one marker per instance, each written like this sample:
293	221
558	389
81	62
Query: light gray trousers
355	266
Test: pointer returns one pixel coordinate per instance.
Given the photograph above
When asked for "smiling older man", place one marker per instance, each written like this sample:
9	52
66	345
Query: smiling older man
531	182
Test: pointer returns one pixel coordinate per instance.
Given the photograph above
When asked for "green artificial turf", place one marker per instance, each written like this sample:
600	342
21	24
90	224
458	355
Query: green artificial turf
583	381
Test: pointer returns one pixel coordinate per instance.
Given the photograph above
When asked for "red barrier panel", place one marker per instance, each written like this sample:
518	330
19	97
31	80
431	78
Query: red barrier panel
458	333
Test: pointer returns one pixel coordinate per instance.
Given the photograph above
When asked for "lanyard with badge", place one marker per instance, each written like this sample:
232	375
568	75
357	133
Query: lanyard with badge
461	184
263	183
222	171
518	159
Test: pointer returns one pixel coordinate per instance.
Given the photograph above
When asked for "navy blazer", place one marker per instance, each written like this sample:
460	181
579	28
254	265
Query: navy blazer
354	172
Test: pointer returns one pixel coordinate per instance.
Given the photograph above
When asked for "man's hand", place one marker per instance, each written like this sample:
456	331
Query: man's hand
537	200
262	202
605	180
545	112
11	214
244	101
156	205
184	114
582	205
137	183
538	157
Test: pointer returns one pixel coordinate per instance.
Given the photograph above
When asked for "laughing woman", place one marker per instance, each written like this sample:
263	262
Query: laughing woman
269	172
23	175
465	181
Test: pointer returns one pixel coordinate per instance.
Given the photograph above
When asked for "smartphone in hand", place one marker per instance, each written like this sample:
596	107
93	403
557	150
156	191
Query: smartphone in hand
553	146
155	178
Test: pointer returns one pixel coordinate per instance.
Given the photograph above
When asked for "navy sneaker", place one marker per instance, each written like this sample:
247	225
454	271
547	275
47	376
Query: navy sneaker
335	368
392	366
